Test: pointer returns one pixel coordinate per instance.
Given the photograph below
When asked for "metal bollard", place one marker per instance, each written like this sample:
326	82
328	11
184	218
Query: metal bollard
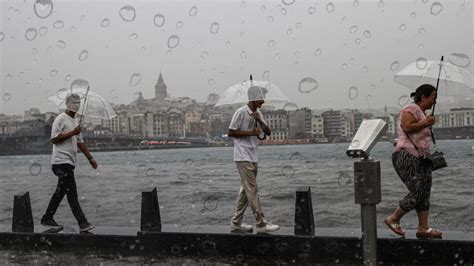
22	216
304	219
150	213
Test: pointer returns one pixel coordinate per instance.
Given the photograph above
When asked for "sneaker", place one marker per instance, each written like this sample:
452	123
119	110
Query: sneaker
241	227
84	227
50	222
267	228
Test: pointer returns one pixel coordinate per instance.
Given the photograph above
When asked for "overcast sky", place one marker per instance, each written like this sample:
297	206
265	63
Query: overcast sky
339	44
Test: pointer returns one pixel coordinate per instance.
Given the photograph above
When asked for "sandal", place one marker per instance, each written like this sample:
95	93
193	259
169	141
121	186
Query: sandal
394	227
429	233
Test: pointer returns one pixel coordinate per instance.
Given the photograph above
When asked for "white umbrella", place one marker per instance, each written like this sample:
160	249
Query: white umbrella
453	79
237	94
92	103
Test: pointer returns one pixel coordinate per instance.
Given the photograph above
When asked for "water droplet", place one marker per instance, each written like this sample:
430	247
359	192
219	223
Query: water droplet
179	24
243	4
21	74
421	63
159	20
67	78
58	24
35	169
402	27
298	25
204	55
276	57
72	29
135	79
436	8
6	97
365	69
61	44
43	30
317	52
353	29
214	29
307	85
413	15
289	31
403	100
460	60
242	34
367	34
283	11
43	8
243	55
2	36
30	34
420	46
53	72
330	7
133	36
227	43
355	3
288	2
8	77
344	66
271	43
193	11
83	55
263	8
395	65
82	18
266	75
372	87
270	19
105	22
311	10
357	40
127	13
368	97
353	93
381	4
290	107
173	41
211	81
35	61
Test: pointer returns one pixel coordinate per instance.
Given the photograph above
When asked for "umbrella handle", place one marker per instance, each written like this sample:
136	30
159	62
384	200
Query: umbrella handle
434	105
85	105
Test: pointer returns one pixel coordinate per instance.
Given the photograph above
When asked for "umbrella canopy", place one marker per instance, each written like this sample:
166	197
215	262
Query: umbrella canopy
454	79
255	90
94	105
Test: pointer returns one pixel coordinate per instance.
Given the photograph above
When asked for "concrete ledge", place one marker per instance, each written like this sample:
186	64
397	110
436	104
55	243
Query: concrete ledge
330	245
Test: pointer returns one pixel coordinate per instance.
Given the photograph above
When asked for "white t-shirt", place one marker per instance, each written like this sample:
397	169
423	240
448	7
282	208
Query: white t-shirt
245	149
65	152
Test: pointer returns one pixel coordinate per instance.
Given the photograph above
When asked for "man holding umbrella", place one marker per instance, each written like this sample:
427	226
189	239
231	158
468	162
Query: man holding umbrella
246	125
66	138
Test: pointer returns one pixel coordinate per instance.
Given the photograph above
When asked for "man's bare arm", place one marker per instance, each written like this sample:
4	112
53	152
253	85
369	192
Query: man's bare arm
85	151
242	134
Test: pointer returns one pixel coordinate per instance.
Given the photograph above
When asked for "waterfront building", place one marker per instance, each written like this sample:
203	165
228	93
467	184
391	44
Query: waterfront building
332	124
277	120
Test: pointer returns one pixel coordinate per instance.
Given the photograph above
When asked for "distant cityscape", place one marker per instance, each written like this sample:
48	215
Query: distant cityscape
167	120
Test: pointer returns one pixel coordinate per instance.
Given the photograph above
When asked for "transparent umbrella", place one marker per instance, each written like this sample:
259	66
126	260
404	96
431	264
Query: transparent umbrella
238	93
92	104
453	79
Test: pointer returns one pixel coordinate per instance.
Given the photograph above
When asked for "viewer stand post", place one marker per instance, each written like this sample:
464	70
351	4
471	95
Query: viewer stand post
367	185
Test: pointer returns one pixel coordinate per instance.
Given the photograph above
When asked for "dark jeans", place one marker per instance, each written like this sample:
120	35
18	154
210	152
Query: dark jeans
66	186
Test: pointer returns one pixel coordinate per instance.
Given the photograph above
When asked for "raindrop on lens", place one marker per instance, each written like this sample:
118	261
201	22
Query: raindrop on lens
436	8
421	30
30	34
307	85
135	79
381	4
127	13
283	11
43	8
344	66
133	36
6	97
270	19
271	43
317	52
179	24
402	27
159	20
288	2
330	7
357	40
367	34
243	55
311	10
289	31
403	100
266	75
413	15
214	28
8	77
365	69
105	22
355	3
35	169
276	57
2	36
53	73
263	8
353	29
211	81
173	41
61	44
460	60
58	24
395	65
421	63
193	11
83	55
353	93
68	78
204	55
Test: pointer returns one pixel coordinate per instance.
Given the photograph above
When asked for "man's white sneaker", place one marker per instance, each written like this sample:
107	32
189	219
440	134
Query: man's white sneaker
267	228
241	227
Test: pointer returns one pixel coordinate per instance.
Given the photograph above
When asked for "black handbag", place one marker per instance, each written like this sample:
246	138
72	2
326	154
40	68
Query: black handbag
436	160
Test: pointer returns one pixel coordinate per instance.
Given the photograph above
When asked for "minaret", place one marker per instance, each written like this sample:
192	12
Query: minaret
160	89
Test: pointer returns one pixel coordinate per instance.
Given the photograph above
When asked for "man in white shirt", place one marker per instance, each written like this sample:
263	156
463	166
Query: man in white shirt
247	123
66	138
